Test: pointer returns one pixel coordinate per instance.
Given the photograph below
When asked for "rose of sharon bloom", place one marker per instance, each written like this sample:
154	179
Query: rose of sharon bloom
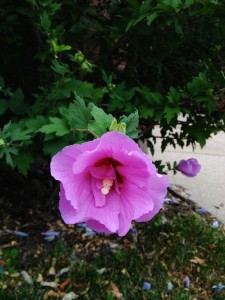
107	183
189	167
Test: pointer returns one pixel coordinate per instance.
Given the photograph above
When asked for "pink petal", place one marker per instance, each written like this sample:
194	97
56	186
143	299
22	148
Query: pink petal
106	215
114	142
87	160
98	227
134	202
112	145
62	170
103	172
66	209
62	162
157	188
136	176
100	199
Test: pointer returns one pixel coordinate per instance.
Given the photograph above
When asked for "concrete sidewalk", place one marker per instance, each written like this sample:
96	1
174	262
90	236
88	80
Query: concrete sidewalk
207	189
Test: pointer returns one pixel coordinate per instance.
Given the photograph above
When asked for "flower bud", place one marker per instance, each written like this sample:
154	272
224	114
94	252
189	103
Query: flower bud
189	167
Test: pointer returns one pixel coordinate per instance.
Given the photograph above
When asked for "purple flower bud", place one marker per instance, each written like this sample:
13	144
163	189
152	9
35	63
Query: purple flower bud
189	167
146	286
187	282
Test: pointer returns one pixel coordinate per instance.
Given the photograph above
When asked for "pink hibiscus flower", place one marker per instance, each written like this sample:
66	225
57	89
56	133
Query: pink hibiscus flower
108	183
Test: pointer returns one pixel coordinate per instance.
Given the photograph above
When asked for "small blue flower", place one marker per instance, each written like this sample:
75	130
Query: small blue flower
202	211
51	233
183	242
169	287
218	288
171	201
215	224
81	225
89	233
187	282
21	233
49	238
134	230
146	286
113	245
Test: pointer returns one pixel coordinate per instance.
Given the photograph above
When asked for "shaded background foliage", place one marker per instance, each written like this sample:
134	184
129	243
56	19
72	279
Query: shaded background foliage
163	58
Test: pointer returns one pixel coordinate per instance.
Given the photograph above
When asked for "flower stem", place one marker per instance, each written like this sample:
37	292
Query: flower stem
85	130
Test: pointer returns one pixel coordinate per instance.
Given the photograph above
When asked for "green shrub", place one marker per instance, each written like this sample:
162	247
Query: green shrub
163	58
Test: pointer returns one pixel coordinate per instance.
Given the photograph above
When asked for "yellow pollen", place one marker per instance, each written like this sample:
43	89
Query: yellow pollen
106	186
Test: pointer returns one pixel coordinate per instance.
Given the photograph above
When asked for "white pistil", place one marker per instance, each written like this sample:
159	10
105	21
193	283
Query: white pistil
106	186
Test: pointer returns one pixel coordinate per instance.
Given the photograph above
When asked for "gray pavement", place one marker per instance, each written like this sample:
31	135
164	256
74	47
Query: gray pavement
207	189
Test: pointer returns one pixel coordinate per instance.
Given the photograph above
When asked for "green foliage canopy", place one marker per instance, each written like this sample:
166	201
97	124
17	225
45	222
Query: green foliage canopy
69	66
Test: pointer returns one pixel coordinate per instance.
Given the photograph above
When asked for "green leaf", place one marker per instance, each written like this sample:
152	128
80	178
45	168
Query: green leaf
78	88
79	115
151	18
53	146
45	22
176	4
170	113
59	48
5	132
58	126
146	112
8	151
145	7
18	134
34	124
131	124
23	161
4	105
63	47
17	104
101	122
59	68
173	96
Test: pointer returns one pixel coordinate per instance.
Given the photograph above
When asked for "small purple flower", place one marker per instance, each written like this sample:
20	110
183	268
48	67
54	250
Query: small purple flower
113	245
51	233
134	231
146	286
171	201
189	167
218	288
49	238
183	242
169	287
202	211
21	233
187	282
215	224
82	225
89	232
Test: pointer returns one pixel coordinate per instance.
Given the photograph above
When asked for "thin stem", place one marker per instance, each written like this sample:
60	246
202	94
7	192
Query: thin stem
85	130
11	145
